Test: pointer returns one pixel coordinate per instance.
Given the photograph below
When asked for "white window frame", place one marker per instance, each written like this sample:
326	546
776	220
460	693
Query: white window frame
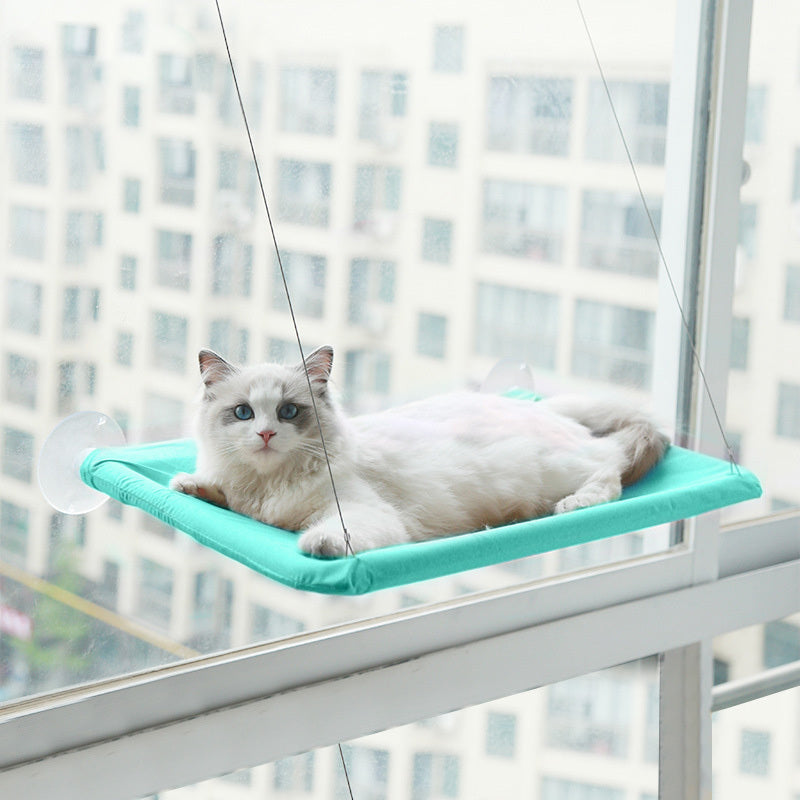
179	724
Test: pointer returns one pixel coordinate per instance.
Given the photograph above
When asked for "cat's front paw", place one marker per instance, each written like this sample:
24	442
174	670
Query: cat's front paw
323	541
189	484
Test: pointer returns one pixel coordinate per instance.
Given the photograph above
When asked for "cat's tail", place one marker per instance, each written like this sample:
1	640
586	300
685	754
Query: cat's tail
642	442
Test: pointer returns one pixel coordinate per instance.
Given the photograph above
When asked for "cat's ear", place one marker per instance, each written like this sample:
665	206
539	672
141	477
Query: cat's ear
213	368
319	364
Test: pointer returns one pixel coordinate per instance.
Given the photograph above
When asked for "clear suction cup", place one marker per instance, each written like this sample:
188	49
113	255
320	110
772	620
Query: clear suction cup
63	453
506	375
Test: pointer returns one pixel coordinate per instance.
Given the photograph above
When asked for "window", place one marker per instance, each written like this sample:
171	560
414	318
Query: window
131	106
304	192
371	294
23	306
127	272
155	592
169	342
84	230
174	264
270	624
377	199
561	789
612	343
131	195
177	171
124	349
14	522
616	235
755	753
443	144
448	48
435	775
165	418
791	295
22	374
529	114
642	112
228	340
382	107
308	100
367	373
748	220
229	162
501	734
756	109
523	219
28	228
503	326
437	240
781	643
27	73
18	454
133	32
305	276
431	335
232	267
788	413
28	153
295	774
176	89
369	773
740	340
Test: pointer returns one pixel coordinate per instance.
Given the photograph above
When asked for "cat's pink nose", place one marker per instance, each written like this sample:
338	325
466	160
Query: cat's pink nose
266	436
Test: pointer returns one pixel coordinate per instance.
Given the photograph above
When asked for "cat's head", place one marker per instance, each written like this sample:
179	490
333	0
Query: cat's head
262	417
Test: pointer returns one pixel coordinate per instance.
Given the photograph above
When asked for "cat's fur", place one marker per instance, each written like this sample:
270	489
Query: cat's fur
436	467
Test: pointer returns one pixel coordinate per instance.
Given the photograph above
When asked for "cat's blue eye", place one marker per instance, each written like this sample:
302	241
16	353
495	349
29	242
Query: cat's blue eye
243	412
287	411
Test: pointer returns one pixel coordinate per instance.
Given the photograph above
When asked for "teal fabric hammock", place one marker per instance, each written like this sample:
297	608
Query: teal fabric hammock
684	484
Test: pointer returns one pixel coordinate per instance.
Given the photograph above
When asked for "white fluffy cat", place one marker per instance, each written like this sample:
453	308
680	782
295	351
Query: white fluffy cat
437	467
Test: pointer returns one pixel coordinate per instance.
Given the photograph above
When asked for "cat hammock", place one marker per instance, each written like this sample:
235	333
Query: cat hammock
684	484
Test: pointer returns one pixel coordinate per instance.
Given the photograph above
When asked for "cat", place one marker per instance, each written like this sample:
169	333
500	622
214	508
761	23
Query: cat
451	464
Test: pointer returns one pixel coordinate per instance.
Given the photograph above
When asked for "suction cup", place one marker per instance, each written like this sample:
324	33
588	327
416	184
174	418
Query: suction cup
63	453
508	374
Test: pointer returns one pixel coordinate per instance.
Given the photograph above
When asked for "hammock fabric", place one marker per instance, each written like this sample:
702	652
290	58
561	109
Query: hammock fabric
682	485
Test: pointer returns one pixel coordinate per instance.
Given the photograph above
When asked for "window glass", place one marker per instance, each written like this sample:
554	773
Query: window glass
439	207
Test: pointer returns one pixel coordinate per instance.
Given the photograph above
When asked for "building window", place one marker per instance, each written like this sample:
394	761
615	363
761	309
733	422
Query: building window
27	73
23	306
443	144
229	340
133	32
740	342
155	592
501	734
164	417
529	115
369	773
366	373
788	416
281	351
791	297
613	343
295	774
28	230
232	266
170	335
590	714
131	195
435	775
382	107
127	272
176	89
503	326
431	335
131	105
304	192
174	264
18	454
616	235
377	199
448	48
305	276
642	112
124	349
228	177
781	643
748	222
269	624
754	753
561	789
177	171
524	220
28	153
371	294
755	114
437	240
308	100
83	230
14	522
22	376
